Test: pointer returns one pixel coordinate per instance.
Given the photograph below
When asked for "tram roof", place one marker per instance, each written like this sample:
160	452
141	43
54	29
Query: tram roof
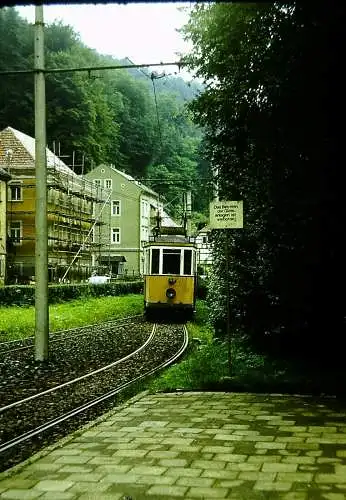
169	239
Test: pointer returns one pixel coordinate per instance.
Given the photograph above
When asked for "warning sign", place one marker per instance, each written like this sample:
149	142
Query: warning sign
226	214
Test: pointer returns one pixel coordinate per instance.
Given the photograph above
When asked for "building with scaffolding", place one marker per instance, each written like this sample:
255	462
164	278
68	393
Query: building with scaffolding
128	221
74	206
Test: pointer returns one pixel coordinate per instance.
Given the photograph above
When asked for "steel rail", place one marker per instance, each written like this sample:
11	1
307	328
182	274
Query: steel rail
78	379
24	437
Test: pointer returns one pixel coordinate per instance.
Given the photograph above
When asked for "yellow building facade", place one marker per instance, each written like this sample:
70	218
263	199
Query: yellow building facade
72	202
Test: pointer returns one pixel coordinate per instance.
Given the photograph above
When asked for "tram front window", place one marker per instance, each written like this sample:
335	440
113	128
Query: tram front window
171	261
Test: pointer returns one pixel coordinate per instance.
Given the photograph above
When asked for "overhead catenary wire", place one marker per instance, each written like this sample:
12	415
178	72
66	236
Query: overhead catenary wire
152	77
139	69
90	68
157	111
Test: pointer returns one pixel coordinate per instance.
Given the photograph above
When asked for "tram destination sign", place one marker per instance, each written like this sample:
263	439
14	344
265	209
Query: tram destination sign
226	214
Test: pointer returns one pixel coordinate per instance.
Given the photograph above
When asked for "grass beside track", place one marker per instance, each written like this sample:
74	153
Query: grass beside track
206	368
19	322
205	365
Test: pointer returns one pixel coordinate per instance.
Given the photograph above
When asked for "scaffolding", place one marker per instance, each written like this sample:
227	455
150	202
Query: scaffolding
74	206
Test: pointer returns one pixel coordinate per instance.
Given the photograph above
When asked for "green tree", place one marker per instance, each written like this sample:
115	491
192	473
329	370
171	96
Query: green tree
16	52
104	116
80	113
136	124
177	151
267	69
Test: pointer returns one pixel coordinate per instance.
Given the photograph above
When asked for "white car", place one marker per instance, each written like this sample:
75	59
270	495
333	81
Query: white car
99	280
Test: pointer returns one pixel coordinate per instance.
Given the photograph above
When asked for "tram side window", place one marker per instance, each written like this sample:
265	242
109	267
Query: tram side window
171	261
146	267
187	261
155	261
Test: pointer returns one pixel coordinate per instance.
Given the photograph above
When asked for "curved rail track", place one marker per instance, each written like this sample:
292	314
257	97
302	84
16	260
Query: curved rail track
51	410
72	356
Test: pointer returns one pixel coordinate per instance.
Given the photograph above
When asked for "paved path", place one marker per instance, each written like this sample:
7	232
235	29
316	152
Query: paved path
196	446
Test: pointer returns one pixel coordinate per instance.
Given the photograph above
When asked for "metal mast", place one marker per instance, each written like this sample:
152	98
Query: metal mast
41	231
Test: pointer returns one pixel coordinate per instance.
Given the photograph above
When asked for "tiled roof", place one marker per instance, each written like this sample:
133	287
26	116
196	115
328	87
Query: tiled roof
18	150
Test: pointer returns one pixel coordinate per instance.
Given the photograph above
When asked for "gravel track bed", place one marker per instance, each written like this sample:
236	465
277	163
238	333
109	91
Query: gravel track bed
57	336
20	419
72	356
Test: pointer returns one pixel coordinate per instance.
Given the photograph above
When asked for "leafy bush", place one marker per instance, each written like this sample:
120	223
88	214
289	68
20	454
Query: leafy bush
206	365
24	295
202	289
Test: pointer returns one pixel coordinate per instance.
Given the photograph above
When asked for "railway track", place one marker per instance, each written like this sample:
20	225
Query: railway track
29	423
78	351
12	346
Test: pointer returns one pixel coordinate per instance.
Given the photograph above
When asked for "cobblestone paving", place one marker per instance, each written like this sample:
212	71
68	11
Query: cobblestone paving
196	446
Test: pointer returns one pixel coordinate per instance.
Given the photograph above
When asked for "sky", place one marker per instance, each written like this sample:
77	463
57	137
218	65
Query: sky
144	32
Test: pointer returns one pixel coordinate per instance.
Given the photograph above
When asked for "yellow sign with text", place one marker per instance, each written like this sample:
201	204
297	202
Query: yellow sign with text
226	214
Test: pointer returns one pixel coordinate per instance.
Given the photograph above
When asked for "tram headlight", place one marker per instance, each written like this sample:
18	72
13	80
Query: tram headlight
170	293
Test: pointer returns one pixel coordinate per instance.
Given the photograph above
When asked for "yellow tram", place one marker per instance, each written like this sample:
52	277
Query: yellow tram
170	264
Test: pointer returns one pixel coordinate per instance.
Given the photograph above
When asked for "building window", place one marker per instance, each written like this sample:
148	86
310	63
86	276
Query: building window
204	240
16	232
115	207
108	183
115	235
97	183
15	192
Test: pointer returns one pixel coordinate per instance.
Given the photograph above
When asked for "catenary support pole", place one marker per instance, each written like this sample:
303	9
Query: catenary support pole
41	232
228	297
188	212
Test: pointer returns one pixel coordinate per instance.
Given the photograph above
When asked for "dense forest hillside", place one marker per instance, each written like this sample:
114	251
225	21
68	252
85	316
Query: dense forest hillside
184	90
107	116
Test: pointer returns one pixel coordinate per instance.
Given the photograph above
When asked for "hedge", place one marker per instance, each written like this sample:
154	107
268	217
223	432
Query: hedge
24	295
